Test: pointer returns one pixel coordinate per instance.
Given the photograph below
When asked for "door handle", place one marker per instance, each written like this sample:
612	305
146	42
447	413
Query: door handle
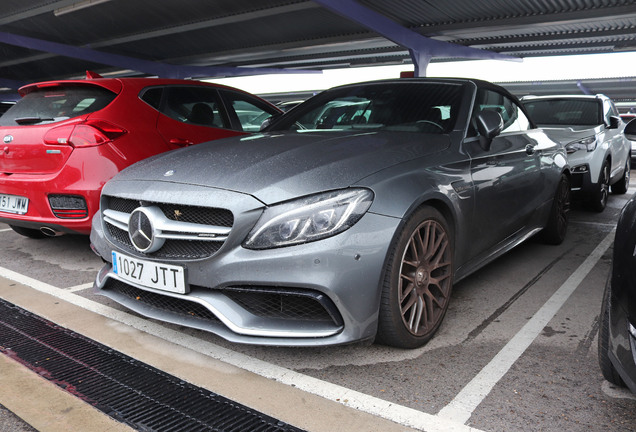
181	142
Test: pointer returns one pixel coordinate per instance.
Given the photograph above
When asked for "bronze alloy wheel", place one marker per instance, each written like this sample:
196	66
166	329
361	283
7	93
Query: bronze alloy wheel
418	289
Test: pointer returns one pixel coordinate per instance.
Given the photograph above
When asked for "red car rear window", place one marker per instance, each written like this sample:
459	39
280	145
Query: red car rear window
53	104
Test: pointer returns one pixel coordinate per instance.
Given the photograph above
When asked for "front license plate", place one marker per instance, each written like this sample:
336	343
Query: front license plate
150	274
13	204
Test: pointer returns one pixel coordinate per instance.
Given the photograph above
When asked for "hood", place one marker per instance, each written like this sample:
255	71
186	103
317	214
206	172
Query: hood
566	135
279	166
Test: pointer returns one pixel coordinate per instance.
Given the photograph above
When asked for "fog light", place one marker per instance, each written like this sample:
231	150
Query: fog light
68	206
580	169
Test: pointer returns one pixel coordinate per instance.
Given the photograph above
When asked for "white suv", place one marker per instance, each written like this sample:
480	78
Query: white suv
591	130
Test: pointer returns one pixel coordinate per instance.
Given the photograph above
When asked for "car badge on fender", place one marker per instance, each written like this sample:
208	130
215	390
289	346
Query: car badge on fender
168	173
7	139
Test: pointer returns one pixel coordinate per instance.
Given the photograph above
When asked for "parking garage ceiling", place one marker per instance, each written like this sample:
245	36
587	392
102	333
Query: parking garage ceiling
45	39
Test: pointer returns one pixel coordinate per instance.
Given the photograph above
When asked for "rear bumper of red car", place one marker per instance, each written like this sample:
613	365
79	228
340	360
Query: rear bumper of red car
62	202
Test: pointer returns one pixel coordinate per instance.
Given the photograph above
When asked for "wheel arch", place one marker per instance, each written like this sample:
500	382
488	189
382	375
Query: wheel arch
440	204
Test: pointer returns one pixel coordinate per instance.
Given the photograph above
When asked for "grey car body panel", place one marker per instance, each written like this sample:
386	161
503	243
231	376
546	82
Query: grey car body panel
278	167
316	265
515	180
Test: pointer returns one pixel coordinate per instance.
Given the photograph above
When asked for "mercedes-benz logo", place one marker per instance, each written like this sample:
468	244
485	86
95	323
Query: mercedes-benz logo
142	231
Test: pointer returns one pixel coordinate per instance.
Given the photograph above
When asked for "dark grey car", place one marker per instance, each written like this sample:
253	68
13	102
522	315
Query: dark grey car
349	219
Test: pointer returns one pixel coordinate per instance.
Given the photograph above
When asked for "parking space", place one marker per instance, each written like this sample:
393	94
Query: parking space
516	351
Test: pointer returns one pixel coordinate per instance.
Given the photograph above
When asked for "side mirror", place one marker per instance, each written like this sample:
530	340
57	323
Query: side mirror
614	122
269	120
630	130
489	125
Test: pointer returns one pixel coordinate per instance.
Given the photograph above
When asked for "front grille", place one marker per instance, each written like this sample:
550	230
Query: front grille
291	304
173	248
177	212
162	302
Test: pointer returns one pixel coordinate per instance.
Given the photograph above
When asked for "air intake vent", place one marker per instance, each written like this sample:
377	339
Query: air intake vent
68	206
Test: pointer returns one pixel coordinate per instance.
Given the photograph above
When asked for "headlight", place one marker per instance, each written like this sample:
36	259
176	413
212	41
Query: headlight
309	219
587	144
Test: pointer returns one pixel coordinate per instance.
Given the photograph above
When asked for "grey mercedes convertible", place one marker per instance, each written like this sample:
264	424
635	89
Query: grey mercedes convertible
348	218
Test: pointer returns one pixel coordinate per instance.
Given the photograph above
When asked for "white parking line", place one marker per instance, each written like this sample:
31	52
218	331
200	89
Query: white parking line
80	287
461	408
399	414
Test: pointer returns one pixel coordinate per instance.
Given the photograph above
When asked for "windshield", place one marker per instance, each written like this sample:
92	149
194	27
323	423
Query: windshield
574	112
57	103
408	107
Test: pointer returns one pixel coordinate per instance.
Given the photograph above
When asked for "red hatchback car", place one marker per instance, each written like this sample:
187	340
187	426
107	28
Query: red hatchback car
65	139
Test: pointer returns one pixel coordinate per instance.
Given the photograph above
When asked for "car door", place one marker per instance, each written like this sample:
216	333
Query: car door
619	146
506	177
191	115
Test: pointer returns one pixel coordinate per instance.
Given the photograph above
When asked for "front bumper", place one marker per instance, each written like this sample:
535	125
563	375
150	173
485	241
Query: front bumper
320	293
581	181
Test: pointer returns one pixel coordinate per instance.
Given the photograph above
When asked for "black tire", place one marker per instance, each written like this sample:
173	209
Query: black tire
607	368
418	281
28	232
599	197
621	186
557	226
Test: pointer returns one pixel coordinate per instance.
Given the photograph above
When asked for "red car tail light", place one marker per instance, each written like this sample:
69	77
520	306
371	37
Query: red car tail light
89	134
58	135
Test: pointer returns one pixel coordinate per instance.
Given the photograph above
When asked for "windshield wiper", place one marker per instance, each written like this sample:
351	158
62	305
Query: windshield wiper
32	120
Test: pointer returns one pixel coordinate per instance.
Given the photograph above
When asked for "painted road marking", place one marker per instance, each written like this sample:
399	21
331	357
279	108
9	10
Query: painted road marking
462	407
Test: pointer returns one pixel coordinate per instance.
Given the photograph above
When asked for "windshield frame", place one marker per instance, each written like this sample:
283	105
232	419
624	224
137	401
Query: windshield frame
409	91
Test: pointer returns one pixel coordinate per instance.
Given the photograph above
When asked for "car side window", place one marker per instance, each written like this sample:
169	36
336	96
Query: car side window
513	117
249	112
194	105
152	96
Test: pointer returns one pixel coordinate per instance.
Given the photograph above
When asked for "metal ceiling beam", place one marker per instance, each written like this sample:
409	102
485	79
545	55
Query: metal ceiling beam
536	23
206	24
164	70
12	84
165	31
421	48
34	11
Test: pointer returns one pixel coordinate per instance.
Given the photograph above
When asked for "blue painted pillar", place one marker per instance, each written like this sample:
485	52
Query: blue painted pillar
421	59
584	89
421	48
